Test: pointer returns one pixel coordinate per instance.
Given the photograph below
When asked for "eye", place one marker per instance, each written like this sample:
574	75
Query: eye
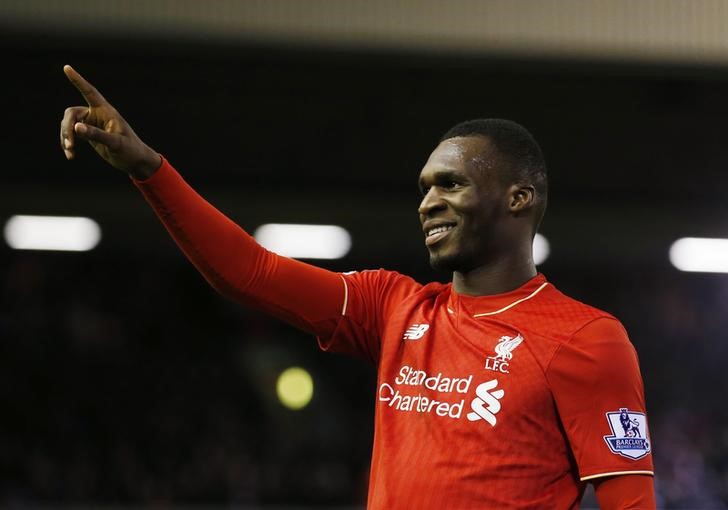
424	190
450	185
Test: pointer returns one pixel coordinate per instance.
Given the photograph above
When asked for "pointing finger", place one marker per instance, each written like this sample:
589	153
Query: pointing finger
92	96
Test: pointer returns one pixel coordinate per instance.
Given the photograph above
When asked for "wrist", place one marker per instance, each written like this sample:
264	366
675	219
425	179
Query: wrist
147	167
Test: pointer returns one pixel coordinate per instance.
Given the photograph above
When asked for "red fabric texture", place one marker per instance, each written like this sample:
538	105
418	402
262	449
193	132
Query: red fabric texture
628	492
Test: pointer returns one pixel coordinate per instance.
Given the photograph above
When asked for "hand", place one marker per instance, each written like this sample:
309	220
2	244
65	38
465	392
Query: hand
106	131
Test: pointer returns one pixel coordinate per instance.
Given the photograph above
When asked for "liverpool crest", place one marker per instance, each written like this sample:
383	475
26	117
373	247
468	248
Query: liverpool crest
503	353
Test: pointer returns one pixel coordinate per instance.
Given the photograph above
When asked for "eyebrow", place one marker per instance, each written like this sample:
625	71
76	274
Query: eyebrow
443	175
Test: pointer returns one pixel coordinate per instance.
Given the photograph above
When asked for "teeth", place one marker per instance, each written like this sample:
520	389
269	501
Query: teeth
439	229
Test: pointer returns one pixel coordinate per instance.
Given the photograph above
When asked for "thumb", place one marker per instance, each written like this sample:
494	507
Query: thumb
94	134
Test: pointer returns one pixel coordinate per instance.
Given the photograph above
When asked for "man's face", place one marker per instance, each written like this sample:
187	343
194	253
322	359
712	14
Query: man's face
464	204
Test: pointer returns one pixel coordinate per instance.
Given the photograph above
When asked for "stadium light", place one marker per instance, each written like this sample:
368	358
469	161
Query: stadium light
58	233
304	241
541	249
294	388
700	254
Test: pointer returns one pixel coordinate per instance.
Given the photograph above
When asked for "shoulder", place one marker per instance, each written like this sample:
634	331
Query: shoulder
593	342
570	316
374	297
388	285
382	279
563	327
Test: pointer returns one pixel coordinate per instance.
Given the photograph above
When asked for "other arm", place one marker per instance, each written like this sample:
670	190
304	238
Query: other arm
625	492
595	377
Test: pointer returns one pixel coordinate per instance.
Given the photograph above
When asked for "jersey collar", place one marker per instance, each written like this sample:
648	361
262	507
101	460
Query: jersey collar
484	306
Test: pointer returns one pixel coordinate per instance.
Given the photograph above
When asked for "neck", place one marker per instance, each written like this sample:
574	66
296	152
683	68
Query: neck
496	278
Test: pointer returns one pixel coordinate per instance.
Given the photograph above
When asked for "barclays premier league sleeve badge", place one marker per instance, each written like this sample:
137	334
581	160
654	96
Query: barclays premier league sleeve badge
629	434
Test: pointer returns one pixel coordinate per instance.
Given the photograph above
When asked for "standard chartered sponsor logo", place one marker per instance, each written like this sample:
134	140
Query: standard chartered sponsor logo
418	403
491	399
391	394
484	406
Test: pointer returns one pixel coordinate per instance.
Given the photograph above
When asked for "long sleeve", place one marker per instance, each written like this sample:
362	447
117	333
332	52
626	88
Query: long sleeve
232	261
625	492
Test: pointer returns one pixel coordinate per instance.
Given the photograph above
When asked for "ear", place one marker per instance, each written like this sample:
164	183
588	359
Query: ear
521	198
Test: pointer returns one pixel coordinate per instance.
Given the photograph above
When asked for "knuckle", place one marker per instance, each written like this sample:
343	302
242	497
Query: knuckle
70	112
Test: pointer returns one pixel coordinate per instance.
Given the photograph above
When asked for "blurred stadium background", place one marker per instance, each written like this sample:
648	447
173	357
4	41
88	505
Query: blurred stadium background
126	381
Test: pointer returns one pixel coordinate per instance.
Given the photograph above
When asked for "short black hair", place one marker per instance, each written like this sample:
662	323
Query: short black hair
516	145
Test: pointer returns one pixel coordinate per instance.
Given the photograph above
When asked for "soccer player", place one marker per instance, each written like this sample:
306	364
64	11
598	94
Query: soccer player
495	390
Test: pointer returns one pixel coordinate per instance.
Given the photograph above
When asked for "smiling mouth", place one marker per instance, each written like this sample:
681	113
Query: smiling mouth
436	234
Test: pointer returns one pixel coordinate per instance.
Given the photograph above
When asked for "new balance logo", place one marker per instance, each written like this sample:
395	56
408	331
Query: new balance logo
491	399
415	331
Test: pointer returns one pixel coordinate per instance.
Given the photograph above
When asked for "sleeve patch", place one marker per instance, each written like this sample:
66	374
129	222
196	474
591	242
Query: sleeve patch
629	436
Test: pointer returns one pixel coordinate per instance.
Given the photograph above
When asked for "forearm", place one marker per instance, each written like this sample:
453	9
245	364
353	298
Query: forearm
625	492
235	264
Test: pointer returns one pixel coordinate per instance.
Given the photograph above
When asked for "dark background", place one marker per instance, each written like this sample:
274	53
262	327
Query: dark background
124	379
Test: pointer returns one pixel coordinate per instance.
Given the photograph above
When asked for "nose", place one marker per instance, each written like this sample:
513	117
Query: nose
432	201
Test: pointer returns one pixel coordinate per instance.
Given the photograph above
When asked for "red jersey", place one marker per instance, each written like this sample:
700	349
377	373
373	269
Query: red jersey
505	401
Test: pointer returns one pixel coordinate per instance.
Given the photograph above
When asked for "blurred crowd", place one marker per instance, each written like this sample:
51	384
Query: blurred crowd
132	382
128	381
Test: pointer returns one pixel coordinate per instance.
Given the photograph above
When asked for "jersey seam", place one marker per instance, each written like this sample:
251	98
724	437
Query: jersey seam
613	473
379	328
571	339
514	303
386	301
346	296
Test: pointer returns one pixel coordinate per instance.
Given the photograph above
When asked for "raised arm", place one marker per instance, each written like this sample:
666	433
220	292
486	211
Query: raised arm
309	297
